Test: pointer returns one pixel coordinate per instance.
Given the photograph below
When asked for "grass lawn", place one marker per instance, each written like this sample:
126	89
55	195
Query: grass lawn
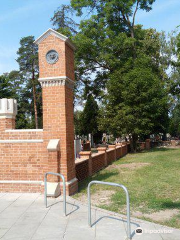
153	181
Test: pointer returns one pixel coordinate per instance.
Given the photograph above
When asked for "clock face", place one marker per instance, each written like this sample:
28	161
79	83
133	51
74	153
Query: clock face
52	57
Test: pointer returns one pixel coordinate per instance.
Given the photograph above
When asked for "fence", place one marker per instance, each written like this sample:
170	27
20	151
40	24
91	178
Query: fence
89	163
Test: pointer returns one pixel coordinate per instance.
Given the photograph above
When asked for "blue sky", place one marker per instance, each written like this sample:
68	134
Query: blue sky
20	18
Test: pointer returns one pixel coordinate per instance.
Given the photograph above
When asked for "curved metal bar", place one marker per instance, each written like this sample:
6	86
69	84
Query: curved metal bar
127	203
64	189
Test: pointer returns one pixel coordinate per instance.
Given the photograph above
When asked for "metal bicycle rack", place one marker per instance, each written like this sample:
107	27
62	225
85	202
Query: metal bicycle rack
64	189
127	203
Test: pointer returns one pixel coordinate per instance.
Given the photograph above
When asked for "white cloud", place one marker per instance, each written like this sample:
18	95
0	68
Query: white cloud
15	13
158	8
19	12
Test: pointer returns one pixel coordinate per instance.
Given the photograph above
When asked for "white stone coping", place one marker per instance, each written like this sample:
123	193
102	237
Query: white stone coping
56	78
8	107
4	116
70	182
24	130
22	181
56	34
56	81
22	141
35	182
53	145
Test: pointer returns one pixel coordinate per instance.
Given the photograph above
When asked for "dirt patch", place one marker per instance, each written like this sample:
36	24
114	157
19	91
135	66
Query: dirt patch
135	165
160	216
102	197
178	146
132	166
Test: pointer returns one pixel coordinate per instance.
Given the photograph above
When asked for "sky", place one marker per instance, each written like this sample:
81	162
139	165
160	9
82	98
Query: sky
21	18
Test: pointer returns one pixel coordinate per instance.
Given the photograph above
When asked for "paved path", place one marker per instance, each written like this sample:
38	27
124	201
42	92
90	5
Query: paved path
24	217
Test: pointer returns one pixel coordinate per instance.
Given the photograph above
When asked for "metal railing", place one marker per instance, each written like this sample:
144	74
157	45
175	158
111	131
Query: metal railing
127	203
64	189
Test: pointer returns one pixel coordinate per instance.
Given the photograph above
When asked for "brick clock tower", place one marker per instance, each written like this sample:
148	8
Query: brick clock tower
56	76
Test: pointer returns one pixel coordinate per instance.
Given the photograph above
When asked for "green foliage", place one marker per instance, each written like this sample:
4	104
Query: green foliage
133	104
108	6
122	63
6	89
30	103
86	121
78	122
105	40
173	49
63	21
27	56
174	127
89	116
12	87
23	85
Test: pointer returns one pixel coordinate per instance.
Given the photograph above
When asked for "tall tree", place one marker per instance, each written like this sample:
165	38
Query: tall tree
63	21
125	62
28	65
89	116
86	120
141	108
172	49
6	88
174	126
105	39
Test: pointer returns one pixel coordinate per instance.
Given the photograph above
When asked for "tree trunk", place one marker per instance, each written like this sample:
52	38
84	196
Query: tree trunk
133	142
34	100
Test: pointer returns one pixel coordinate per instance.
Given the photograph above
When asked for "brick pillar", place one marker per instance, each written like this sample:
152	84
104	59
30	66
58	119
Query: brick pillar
148	144
87	155
114	148
56	72
103	150
8	111
173	143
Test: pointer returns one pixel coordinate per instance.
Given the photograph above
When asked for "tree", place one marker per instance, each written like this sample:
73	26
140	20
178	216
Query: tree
78	122
29	70
6	88
86	120
139	109
63	21
127	67
174	126
106	39
173	49
121	63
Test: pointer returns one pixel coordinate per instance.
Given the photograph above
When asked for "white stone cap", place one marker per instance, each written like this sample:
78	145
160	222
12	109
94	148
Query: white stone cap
8	108
56	34
53	145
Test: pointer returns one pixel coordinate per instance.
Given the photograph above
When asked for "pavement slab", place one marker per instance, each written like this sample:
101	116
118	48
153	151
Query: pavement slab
23	216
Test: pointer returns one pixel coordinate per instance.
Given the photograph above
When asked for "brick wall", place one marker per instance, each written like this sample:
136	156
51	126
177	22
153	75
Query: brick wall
82	171
124	150
142	145
24	155
98	162
89	164
110	156
118	152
